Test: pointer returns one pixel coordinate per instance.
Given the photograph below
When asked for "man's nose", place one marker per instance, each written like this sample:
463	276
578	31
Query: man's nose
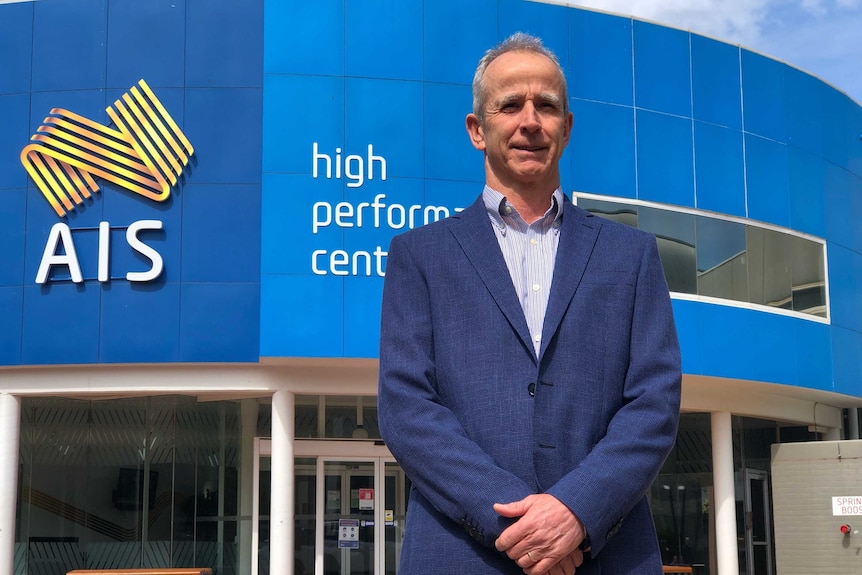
530	120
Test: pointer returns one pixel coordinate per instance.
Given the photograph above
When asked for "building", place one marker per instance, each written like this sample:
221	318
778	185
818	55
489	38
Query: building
188	369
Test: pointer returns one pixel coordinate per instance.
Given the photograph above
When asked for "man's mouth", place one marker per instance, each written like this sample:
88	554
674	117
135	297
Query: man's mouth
530	148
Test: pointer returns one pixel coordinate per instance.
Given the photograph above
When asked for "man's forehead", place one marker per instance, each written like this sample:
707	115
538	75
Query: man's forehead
523	69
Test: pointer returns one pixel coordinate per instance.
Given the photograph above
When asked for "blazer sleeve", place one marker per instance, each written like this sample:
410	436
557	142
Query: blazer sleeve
616	474
447	468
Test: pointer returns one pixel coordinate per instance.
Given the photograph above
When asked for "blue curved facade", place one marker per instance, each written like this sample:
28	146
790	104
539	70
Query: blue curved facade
321	129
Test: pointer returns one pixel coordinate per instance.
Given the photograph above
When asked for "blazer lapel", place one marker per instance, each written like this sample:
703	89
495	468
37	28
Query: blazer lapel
474	233
578	235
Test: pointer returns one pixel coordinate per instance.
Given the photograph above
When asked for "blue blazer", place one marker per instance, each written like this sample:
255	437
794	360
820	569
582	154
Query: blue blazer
475	417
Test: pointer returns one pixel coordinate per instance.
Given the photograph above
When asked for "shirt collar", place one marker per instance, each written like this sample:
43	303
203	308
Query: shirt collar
496	204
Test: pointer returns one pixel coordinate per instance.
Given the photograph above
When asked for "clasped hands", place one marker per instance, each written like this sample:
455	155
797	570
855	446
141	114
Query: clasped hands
545	538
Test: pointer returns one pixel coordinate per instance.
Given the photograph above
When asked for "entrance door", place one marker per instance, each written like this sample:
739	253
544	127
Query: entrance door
350	503
758	537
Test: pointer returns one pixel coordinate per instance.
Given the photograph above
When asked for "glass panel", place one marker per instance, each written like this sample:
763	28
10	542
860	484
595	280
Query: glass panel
305	507
306	420
758	510
395	514
761	560
769	277
348	546
351	417
674	232
616	211
721	259
681	496
809	294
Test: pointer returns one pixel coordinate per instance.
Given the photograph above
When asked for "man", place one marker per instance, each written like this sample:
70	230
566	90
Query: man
529	367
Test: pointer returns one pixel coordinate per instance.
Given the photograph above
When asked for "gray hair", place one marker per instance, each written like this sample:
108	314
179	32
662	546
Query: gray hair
517	42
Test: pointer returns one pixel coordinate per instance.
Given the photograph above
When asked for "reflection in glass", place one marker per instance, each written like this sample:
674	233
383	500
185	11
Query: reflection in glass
674	232
769	277
809	294
616	211
721	259
336	417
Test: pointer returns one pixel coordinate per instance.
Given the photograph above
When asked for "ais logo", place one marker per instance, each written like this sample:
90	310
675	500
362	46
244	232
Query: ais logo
144	153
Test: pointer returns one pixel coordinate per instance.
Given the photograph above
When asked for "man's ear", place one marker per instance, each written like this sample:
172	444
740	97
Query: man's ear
570	121
475	131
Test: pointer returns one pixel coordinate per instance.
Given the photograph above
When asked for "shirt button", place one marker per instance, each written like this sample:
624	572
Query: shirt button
537	338
534	241
508	209
536	287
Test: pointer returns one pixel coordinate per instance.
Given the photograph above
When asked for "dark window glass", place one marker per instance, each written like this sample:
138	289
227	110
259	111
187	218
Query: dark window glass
616	211
769	277
806	263
674	232
722	270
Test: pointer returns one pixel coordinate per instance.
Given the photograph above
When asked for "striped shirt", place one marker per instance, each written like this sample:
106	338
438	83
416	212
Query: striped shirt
530	252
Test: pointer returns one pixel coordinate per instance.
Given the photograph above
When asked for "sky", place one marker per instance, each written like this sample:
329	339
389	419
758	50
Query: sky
822	37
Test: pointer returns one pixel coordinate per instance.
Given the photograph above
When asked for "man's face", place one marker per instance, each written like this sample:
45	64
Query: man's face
525	130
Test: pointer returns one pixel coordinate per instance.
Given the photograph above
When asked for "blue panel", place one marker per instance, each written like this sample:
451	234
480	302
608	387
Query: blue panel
550	23
841	219
719	169
219	322
807	180
299	216
16	44
293	108
13	209
854	149
662	69
715	82
846	351
600	59
221	233
665	159
688	328
146	40
85	238
69	45
11	299
61	323
449	155
813	354
140	323
121	209
456	36
763	96
845	277
224	127
304	37
88	103
393	217
224	43
855	208
383	39
747	344
301	316
837	118
362	296
452	195
388	115
603	149
803	96
14	115
768	180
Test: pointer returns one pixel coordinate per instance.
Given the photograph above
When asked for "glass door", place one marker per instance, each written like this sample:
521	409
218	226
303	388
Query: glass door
349	509
758	539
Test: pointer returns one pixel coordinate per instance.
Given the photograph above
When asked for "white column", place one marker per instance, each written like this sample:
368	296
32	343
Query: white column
282	484
725	498
10	425
248	427
853	425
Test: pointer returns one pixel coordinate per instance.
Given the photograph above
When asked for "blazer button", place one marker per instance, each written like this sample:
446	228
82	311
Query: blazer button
532	389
